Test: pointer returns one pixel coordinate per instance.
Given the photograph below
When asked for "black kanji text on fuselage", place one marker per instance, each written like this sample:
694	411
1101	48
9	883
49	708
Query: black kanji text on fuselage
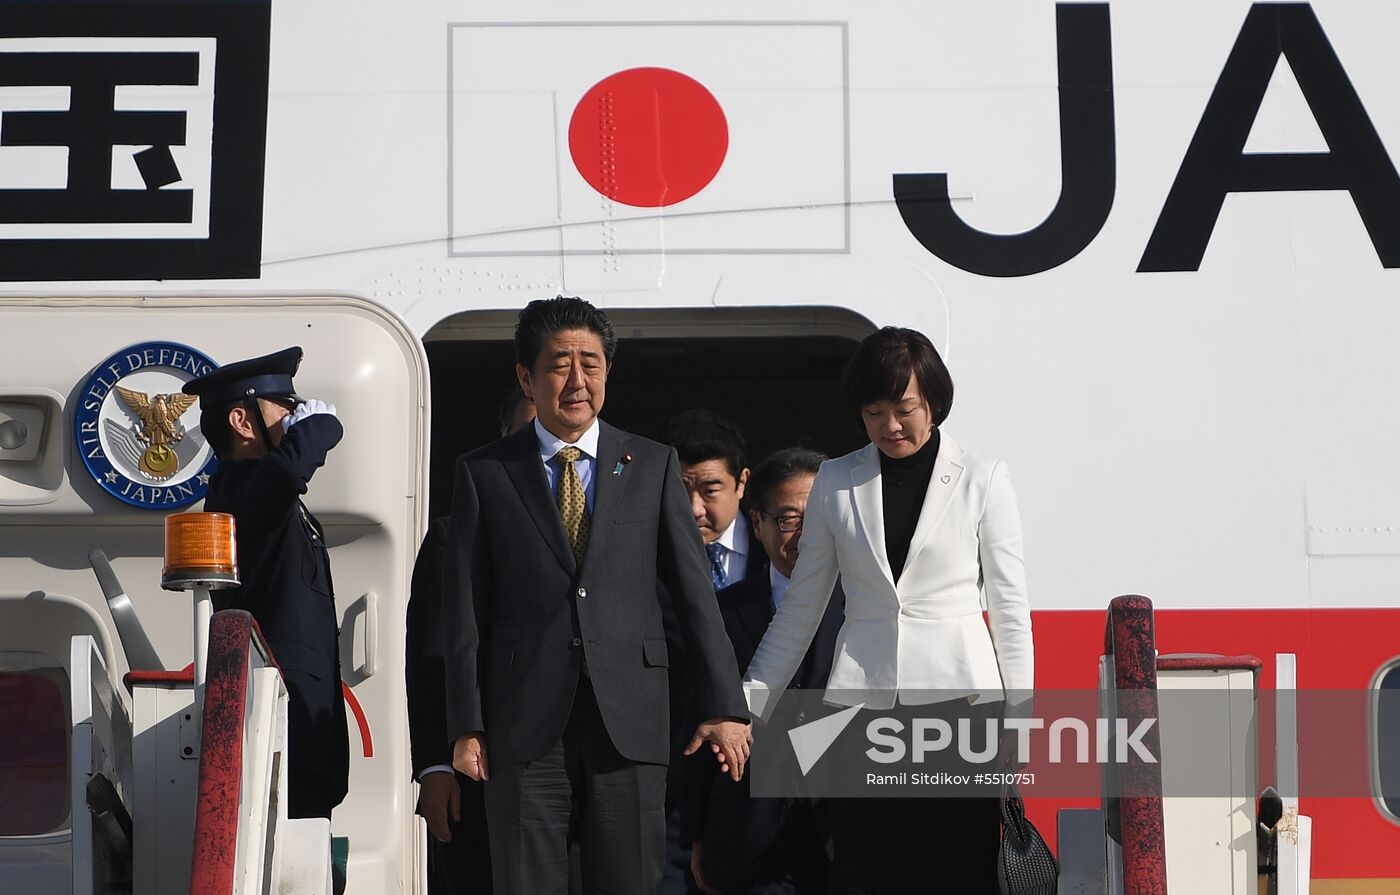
61	244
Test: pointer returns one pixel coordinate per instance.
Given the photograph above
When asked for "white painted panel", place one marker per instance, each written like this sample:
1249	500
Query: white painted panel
1211	737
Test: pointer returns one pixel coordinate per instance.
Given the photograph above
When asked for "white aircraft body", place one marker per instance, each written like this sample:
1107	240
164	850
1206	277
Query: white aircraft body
1157	244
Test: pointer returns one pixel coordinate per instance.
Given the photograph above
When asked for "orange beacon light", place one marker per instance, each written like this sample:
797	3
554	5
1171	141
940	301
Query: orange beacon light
200	550
201	554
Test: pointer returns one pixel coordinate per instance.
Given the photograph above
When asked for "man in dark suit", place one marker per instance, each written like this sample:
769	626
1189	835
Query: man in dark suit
715	471
459	860
458	857
269	443
741	844
556	655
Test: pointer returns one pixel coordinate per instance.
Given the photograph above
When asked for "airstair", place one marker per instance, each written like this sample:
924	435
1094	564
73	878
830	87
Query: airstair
166	781
65	755
1191	822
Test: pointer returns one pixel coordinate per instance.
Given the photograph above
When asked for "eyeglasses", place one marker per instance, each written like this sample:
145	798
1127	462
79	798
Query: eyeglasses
788	522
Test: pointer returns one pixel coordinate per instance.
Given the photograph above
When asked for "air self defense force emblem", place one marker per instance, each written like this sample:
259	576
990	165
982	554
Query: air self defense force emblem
138	435
160	429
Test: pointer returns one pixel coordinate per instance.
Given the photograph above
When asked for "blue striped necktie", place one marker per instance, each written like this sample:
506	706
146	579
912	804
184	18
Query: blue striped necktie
716	553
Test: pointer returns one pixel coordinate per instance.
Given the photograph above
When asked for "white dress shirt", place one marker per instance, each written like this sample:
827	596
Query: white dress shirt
735	556
550	444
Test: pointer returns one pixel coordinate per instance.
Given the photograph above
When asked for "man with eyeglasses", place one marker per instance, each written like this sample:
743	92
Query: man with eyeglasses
741	844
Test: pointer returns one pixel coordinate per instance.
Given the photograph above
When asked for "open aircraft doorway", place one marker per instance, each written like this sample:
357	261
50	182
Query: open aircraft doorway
775	371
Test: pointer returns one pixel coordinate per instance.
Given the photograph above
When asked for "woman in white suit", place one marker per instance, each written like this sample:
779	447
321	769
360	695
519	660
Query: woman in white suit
918	529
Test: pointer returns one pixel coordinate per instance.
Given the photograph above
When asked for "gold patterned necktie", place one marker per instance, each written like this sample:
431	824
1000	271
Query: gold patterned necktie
573	508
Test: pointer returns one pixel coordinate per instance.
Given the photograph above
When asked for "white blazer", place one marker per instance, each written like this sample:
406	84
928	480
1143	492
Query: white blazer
924	638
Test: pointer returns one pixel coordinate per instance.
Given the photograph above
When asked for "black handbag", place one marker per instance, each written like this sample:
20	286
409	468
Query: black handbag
1025	865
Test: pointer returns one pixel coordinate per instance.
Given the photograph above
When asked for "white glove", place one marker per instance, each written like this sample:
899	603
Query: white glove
310	407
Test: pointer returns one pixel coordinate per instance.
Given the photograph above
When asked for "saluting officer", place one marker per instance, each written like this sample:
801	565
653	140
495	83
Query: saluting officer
269	442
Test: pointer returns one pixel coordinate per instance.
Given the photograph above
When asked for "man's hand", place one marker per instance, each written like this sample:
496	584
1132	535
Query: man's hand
729	740
469	756
697	861
438	797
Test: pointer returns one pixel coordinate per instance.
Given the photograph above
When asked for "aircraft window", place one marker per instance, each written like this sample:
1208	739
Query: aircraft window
1386	742
33	753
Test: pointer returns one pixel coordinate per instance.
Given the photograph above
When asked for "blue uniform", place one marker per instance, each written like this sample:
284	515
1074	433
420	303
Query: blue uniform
287	587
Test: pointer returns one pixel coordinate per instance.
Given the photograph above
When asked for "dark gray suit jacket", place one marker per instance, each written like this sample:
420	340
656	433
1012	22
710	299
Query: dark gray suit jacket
519	616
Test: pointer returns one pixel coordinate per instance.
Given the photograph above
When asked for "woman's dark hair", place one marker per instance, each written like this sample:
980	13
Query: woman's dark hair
777	468
882	365
700	435
544	317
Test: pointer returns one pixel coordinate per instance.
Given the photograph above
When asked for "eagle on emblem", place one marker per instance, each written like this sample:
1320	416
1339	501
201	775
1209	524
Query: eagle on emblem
160	428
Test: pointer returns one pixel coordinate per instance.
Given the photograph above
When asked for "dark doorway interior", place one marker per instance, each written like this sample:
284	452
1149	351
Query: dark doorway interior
781	390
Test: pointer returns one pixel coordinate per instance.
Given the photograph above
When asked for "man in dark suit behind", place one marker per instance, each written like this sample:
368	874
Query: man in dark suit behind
741	844
715	470
458	857
459	860
713	466
556	659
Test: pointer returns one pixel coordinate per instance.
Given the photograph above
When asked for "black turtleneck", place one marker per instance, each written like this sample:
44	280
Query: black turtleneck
903	484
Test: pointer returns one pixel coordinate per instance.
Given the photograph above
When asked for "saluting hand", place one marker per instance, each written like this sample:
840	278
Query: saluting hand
469	756
309	407
729	740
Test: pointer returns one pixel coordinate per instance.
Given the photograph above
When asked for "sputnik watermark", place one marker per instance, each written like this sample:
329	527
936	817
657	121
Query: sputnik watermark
950	741
932	735
928	736
1205	740
943	778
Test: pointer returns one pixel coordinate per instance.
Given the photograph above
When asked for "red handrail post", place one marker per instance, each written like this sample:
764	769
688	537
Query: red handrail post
1131	640
231	636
